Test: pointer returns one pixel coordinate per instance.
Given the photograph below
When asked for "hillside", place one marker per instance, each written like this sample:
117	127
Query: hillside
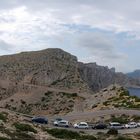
52	81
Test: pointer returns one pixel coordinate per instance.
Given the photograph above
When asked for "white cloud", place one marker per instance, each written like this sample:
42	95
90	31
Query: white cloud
31	24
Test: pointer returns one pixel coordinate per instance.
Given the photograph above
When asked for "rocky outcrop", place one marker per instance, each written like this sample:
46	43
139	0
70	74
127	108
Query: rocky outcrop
99	77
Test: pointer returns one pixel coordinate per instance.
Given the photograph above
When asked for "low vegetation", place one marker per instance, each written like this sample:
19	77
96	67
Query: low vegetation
65	134
24	127
123	138
112	131
14	135
63	101
3	116
123	100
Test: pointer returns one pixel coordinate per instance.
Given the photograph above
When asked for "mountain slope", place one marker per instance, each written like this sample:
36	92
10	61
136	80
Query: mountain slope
28	78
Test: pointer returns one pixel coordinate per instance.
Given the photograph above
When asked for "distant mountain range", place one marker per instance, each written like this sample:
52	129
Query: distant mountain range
135	74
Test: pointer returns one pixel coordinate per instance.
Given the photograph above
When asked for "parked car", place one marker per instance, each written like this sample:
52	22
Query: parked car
138	124
41	120
131	125
61	123
81	125
57	120
100	126
116	125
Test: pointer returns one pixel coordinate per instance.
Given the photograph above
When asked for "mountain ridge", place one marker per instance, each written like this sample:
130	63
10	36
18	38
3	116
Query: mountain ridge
36	81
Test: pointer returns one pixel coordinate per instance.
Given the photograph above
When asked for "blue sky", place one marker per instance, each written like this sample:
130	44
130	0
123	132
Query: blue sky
105	32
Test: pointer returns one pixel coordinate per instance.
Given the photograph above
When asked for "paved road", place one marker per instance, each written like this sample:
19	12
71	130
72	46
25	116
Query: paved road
100	113
86	115
95	131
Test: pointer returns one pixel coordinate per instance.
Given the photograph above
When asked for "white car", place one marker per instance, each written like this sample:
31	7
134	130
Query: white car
81	125
131	125
57	120
116	125
138	124
61	123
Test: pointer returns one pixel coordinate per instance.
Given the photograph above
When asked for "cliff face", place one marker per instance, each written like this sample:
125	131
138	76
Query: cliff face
99	77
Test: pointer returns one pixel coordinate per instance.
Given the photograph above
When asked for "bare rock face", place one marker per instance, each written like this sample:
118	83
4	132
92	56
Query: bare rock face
99	77
43	67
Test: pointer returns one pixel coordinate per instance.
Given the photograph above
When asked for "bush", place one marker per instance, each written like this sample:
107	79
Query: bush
43	99
48	93
123	138
69	95
65	134
112	131
3	116
4	138
124	93
22	101
24	127
87	137
106	103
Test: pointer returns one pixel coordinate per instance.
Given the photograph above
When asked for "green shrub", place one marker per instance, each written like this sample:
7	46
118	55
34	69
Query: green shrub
106	103
43	99
24	127
3	116
137	99
67	134
123	138
63	133
21	136
4	138
22	101
87	137
124	93
69	95
48	93
112	131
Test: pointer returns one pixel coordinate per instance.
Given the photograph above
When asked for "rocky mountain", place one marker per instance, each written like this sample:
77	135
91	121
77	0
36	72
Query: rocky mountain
135	74
31	81
98	77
